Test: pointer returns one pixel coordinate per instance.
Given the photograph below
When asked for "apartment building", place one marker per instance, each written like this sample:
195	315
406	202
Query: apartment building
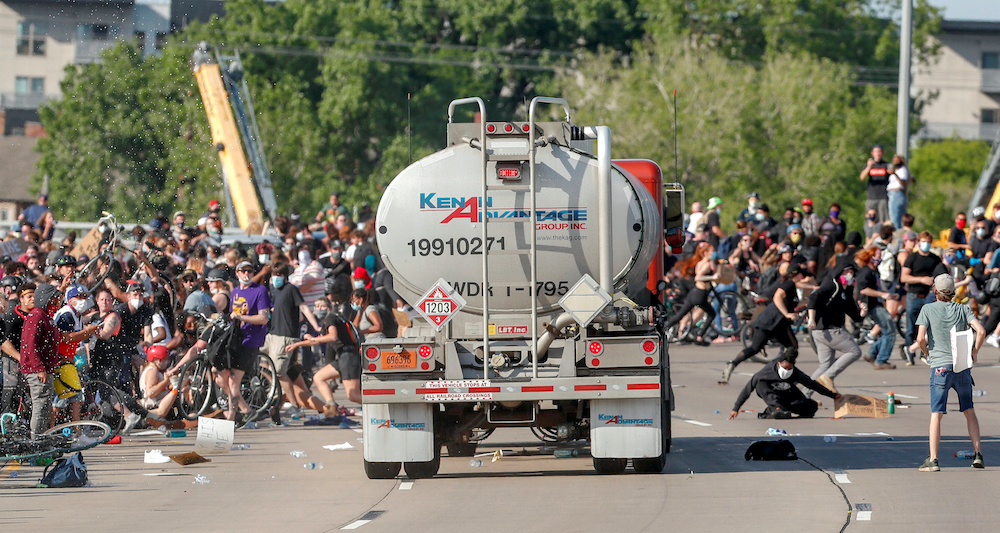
965	81
39	38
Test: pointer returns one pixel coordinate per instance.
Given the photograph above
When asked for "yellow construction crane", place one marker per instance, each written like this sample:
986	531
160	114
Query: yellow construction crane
236	138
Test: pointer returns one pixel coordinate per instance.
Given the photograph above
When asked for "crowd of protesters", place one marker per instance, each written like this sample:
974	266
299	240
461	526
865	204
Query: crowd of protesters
306	294
810	270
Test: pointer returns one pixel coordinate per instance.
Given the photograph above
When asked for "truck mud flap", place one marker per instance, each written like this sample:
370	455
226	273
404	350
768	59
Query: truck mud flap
626	428
400	432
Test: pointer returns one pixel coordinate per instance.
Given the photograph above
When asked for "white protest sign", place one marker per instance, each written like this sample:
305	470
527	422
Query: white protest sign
214	436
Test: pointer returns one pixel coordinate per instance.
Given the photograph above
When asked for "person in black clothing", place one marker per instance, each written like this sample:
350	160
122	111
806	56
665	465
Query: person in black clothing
21	302
284	327
342	360
868	291
877	172
828	308
775	384
774	322
918	274
956	236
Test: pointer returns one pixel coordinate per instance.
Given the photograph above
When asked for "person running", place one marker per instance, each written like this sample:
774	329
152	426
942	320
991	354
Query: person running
774	322
868	291
342	359
935	323
702	266
828	308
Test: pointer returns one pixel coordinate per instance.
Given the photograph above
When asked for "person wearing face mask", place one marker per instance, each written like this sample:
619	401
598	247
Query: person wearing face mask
250	307
774	323
872	224
957	237
749	213
703	267
876	172
360	278
284	328
918	274
711	218
829	306
136	328
71	332
776	385
308	274
832	228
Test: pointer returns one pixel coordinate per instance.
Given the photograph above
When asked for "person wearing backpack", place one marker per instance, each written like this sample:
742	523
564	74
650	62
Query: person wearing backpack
341	360
368	320
934	326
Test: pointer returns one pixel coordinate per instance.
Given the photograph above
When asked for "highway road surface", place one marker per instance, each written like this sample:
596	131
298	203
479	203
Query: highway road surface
864	480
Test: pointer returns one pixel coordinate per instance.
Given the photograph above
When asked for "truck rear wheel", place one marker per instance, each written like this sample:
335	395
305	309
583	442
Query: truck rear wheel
381	470
423	469
614	465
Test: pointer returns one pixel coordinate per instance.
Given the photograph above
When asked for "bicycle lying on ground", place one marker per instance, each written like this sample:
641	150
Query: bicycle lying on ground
17	444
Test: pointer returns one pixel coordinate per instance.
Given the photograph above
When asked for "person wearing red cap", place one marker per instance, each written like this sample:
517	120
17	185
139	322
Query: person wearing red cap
810	220
158	391
361	279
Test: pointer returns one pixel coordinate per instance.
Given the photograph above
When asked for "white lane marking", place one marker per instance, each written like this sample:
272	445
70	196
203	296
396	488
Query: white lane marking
842	478
357	430
697	423
356	524
406	485
864	511
877	434
864	515
905	396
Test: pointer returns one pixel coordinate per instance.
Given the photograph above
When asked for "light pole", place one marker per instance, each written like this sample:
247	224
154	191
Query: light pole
903	96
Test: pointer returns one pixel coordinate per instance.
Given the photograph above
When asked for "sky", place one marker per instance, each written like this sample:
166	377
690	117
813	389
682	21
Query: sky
969	9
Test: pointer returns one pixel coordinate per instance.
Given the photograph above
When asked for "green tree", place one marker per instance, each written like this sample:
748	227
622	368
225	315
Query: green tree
125	137
946	173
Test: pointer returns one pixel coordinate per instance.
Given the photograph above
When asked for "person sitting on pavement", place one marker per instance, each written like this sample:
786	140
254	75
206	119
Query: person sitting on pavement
775	384
158	391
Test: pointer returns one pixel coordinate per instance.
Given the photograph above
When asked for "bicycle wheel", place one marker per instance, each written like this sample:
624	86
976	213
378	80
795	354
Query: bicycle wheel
103	403
81	435
260	389
195	388
727	320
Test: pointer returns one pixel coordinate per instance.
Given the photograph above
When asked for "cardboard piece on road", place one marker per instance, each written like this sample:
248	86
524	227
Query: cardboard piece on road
864	406
89	244
214	435
189	458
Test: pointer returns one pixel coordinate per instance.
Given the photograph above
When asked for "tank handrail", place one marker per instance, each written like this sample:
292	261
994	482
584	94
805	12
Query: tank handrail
464	101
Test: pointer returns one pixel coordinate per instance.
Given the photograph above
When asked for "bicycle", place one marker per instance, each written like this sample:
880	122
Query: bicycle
101	403
199	390
93	273
17	444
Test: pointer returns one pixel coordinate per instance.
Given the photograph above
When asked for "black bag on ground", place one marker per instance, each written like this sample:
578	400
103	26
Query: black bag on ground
66	472
771	450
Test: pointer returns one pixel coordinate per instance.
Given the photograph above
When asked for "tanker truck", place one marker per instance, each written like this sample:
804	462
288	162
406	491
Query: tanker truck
535	262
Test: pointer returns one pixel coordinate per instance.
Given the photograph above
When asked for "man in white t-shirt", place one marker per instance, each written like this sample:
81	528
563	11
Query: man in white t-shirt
694	218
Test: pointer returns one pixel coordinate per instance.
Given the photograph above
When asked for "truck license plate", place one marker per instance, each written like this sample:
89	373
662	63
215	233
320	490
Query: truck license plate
397	361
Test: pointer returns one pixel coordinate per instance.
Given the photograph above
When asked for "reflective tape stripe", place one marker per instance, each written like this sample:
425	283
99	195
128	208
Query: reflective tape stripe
642	386
378	392
537	389
590	387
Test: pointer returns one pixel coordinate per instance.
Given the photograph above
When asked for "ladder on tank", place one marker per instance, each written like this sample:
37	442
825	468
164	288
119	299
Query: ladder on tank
531	252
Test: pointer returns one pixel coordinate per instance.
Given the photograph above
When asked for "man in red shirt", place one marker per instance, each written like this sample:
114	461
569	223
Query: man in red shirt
39	355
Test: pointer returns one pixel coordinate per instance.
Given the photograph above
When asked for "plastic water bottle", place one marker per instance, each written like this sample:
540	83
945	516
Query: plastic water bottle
475	463
979	393
563	453
830	438
891	399
237	447
965	454
175	433
298	453
776	432
201	479
313	466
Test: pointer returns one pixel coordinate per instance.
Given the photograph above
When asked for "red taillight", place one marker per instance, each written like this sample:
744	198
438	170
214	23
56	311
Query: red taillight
508	128
425	366
648	346
490	128
372	367
371	352
649	360
595	348
595	362
425	351
525	128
